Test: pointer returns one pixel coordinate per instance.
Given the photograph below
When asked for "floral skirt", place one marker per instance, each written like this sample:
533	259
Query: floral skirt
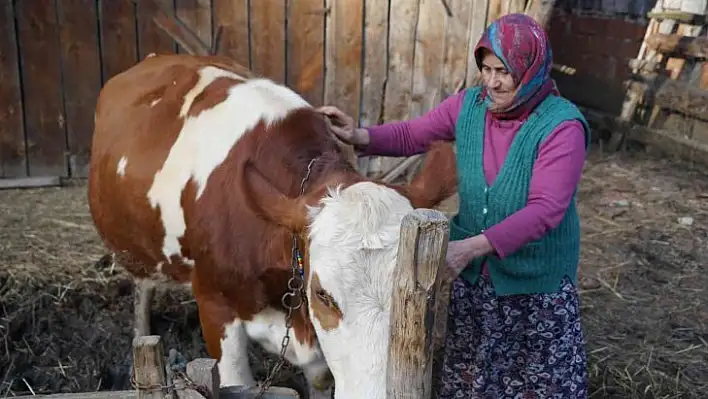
519	346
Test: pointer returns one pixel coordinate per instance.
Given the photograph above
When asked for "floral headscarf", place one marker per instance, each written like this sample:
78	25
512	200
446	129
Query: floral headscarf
522	45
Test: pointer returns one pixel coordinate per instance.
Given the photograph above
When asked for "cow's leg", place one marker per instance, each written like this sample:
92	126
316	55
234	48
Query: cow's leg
226	341
142	301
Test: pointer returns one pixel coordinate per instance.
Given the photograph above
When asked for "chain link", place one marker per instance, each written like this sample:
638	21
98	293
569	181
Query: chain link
291	300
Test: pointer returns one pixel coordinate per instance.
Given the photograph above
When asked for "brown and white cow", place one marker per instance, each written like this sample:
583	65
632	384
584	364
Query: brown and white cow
196	171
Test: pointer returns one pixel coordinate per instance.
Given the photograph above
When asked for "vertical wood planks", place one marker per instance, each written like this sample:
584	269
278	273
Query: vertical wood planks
456	43
152	39
234	43
38	37
375	61
305	38
82	77
478	24
343	55
401	50
428	61
268	38
13	162
118	36
196	14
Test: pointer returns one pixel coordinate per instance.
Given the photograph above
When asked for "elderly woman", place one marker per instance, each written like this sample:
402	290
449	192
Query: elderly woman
514	320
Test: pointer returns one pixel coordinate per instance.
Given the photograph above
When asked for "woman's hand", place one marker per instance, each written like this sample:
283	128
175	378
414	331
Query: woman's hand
344	127
460	253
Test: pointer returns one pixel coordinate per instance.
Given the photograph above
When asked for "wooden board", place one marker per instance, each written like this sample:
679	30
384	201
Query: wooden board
401	53
306	59
196	14
478	24
152	39
38	37
232	15
119	49
374	62
268	38
455	48
81	79
343	55
429	54
13	162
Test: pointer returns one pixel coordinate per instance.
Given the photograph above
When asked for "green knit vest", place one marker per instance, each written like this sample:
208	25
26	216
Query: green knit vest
538	266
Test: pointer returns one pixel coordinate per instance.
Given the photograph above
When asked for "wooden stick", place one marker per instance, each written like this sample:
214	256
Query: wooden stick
421	254
149	367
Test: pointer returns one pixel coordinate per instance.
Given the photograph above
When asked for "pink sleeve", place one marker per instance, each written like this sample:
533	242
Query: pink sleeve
556	174
406	138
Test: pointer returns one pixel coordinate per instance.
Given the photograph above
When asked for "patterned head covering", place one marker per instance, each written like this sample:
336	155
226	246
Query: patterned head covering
522	45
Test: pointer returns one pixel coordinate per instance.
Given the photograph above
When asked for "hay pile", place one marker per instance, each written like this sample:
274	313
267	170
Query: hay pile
66	316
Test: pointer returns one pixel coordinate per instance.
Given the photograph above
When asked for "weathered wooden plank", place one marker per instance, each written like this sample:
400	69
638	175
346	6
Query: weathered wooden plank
343	55
268	39
478	24
306	52
374	62
682	46
418	276
30	182
196	15
224	393
188	41
401	49
13	162
119	42
429	55
455	45
38	35
232	15
152	39
82	77
683	97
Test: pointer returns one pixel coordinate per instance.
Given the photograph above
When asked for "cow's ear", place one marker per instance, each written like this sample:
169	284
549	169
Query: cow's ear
270	203
436	180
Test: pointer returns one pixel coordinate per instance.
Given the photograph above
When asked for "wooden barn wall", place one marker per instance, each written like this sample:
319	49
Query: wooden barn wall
376	59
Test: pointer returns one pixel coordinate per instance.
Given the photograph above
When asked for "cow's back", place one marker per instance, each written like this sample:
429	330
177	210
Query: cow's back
137	122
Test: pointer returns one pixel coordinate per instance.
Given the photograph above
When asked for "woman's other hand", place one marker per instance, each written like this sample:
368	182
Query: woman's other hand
460	253
344	127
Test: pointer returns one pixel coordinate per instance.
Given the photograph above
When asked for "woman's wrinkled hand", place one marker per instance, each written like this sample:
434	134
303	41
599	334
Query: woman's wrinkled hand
343	126
460	253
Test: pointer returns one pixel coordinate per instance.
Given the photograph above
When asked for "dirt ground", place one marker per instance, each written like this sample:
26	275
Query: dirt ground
66	314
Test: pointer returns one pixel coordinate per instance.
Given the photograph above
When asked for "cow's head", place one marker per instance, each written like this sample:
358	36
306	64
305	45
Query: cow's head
351	233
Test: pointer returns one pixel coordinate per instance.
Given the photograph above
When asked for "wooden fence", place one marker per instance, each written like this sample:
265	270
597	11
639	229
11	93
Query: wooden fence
379	60
666	105
417	327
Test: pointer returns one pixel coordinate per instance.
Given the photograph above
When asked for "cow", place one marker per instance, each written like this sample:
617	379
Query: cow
206	175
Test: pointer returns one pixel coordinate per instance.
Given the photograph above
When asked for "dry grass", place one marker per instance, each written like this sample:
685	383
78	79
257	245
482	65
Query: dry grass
66	314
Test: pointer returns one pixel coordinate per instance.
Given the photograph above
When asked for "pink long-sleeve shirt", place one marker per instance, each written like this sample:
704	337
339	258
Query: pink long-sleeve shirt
556	172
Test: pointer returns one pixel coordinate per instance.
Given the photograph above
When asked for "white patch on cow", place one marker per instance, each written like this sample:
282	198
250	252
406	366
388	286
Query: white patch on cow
354	242
206	139
122	163
155	102
233	365
268	329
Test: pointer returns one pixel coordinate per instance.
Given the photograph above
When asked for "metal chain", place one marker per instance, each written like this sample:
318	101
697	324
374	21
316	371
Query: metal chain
291	300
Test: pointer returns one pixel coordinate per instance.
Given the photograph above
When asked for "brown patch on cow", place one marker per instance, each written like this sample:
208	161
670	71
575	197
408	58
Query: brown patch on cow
213	94
324	307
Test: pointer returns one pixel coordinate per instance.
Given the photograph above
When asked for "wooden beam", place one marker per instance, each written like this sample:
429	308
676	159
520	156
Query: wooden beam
421	254
684	98
149	367
677	45
30	182
232	392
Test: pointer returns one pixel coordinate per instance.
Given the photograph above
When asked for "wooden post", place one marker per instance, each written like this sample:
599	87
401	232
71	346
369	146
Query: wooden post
149	367
421	253
204	373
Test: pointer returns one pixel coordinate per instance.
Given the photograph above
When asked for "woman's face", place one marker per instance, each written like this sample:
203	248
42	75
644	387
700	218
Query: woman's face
499	82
